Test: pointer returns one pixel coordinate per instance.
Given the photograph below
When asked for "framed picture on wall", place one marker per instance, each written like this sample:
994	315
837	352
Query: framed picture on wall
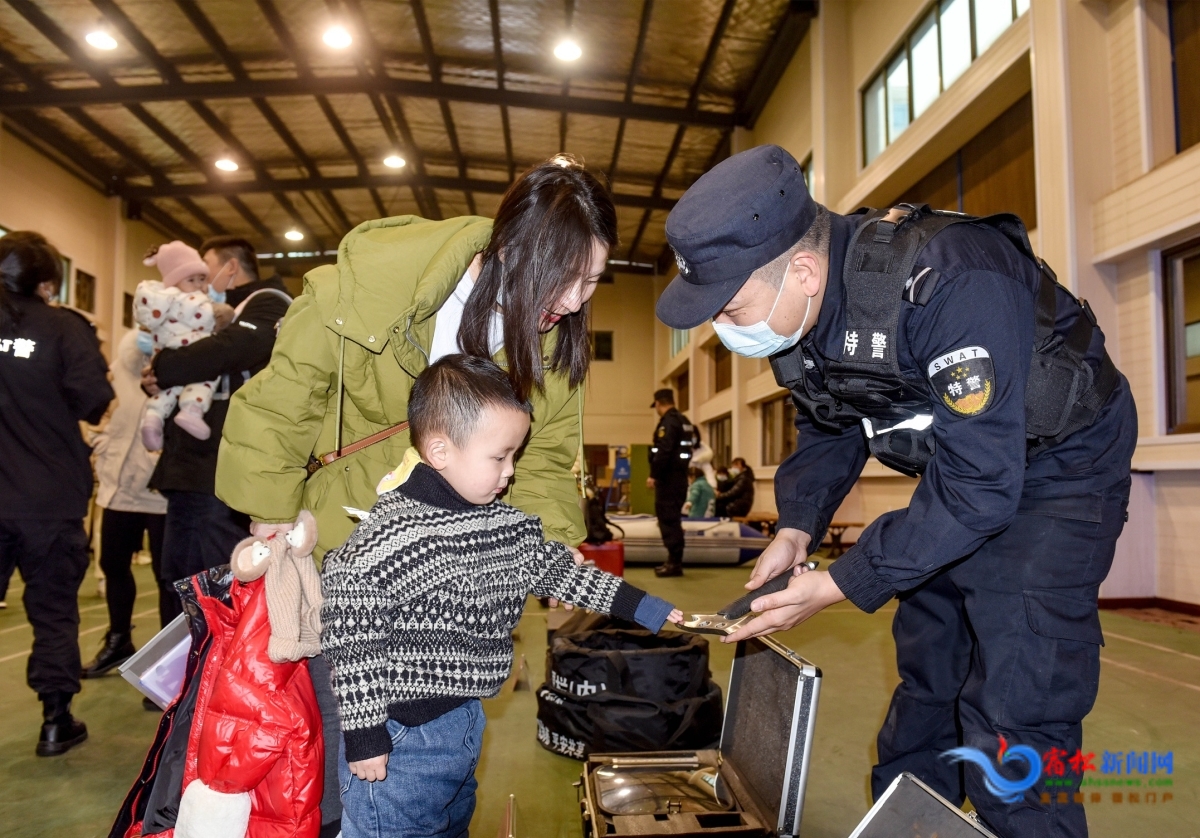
85	292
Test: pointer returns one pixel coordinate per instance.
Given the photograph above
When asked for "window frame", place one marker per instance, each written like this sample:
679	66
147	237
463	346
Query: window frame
1174	338
904	49
766	407
612	353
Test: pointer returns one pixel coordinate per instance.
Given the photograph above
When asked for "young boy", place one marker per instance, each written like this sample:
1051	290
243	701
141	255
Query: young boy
421	601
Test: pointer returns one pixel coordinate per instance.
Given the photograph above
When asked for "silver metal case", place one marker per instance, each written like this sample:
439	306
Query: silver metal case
761	767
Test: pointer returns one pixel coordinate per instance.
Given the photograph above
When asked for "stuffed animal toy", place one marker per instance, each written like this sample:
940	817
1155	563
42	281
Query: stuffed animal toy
285	562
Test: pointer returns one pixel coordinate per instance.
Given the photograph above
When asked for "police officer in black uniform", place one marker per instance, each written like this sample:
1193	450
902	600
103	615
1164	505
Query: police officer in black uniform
941	345
52	377
670	457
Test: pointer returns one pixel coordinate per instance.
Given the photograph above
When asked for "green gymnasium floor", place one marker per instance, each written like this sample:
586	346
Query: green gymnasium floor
1149	701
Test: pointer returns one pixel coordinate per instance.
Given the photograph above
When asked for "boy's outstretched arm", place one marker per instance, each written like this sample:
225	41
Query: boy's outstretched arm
555	574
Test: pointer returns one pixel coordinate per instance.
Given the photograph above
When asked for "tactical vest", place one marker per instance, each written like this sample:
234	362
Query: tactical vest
1062	394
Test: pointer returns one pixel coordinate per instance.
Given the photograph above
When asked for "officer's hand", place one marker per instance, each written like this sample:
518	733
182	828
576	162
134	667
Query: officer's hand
786	551
806	594
649	482
372	769
150	381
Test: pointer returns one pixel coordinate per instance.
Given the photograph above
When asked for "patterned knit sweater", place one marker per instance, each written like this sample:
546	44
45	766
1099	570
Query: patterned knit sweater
422	599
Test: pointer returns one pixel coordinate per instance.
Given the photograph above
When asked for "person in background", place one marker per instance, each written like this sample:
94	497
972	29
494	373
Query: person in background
670	458
51	367
131	510
701	495
735	497
200	530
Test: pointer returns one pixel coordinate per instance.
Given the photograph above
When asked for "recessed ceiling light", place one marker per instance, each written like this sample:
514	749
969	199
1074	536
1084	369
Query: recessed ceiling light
337	37
394	161
567	50
293	235
101	39
226	164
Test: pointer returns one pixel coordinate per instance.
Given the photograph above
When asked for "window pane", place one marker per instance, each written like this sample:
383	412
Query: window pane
602	346
1183	340
873	117
992	17
1185	50
722	368
897	96
778	430
1022	7
956	40
679	339
926	81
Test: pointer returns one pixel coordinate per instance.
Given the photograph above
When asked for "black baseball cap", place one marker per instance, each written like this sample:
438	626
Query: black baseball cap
740	215
664	396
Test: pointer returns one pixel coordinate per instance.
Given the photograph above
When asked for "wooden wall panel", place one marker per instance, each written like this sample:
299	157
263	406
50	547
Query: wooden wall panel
939	188
998	169
1185	32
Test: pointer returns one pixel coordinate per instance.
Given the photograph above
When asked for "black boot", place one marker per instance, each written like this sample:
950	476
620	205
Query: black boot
670	568
60	730
117	648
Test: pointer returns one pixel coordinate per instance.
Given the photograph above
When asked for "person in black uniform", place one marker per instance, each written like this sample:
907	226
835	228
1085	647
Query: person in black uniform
736	497
939	344
201	531
670	457
52	377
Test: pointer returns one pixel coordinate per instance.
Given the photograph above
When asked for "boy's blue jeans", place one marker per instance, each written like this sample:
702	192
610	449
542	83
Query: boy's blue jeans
430	785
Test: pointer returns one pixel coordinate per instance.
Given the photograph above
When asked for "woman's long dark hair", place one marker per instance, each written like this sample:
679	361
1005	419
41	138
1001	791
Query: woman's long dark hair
26	261
545	228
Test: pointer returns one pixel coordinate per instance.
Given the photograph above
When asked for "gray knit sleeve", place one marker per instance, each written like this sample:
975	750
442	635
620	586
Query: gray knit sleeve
555	574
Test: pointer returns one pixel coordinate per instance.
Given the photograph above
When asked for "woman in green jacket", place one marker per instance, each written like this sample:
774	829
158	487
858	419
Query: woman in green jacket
406	291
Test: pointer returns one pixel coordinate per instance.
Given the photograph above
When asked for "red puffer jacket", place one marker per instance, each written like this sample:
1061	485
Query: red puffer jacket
255	756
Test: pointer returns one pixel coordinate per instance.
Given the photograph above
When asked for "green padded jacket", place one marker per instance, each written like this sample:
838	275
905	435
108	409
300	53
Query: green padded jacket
378	305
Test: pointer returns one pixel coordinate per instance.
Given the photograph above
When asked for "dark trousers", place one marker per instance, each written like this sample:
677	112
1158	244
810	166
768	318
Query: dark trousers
120	539
200	532
331	726
1006	643
669	496
52	555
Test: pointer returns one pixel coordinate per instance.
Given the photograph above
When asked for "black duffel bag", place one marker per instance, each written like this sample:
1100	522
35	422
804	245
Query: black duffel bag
617	690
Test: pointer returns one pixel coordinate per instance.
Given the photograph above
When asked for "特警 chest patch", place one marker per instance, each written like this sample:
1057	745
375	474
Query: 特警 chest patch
964	380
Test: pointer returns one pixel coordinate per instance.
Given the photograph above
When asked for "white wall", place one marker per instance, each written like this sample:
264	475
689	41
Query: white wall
87	227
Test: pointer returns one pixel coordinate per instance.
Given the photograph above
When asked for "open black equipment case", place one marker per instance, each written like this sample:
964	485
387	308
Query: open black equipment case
751	787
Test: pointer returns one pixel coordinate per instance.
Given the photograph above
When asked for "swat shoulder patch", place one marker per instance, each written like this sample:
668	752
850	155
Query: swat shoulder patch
964	380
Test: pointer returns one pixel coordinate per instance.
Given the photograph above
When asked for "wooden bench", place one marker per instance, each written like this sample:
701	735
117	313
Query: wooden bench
836	530
764	522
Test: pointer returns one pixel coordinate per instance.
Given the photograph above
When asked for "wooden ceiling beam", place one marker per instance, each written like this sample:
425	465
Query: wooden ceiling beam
498	54
631	82
212	37
117	94
249	187
435	74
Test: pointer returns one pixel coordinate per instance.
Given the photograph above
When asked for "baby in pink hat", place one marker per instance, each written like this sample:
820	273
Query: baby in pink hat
176	312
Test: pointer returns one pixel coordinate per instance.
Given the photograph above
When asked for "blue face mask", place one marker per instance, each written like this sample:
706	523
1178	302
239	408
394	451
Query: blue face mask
145	343
760	340
215	295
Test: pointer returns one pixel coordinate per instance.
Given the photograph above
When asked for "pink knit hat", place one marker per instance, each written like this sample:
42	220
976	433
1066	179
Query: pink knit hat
176	261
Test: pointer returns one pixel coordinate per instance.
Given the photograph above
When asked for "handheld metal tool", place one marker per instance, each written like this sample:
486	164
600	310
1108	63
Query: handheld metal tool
737	613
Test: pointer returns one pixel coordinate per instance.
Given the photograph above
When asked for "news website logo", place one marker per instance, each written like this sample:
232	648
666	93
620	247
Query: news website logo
1006	790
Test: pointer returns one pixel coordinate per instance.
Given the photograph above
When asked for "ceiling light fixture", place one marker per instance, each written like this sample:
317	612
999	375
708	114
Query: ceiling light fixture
226	164
337	37
394	161
567	50
101	39
293	235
